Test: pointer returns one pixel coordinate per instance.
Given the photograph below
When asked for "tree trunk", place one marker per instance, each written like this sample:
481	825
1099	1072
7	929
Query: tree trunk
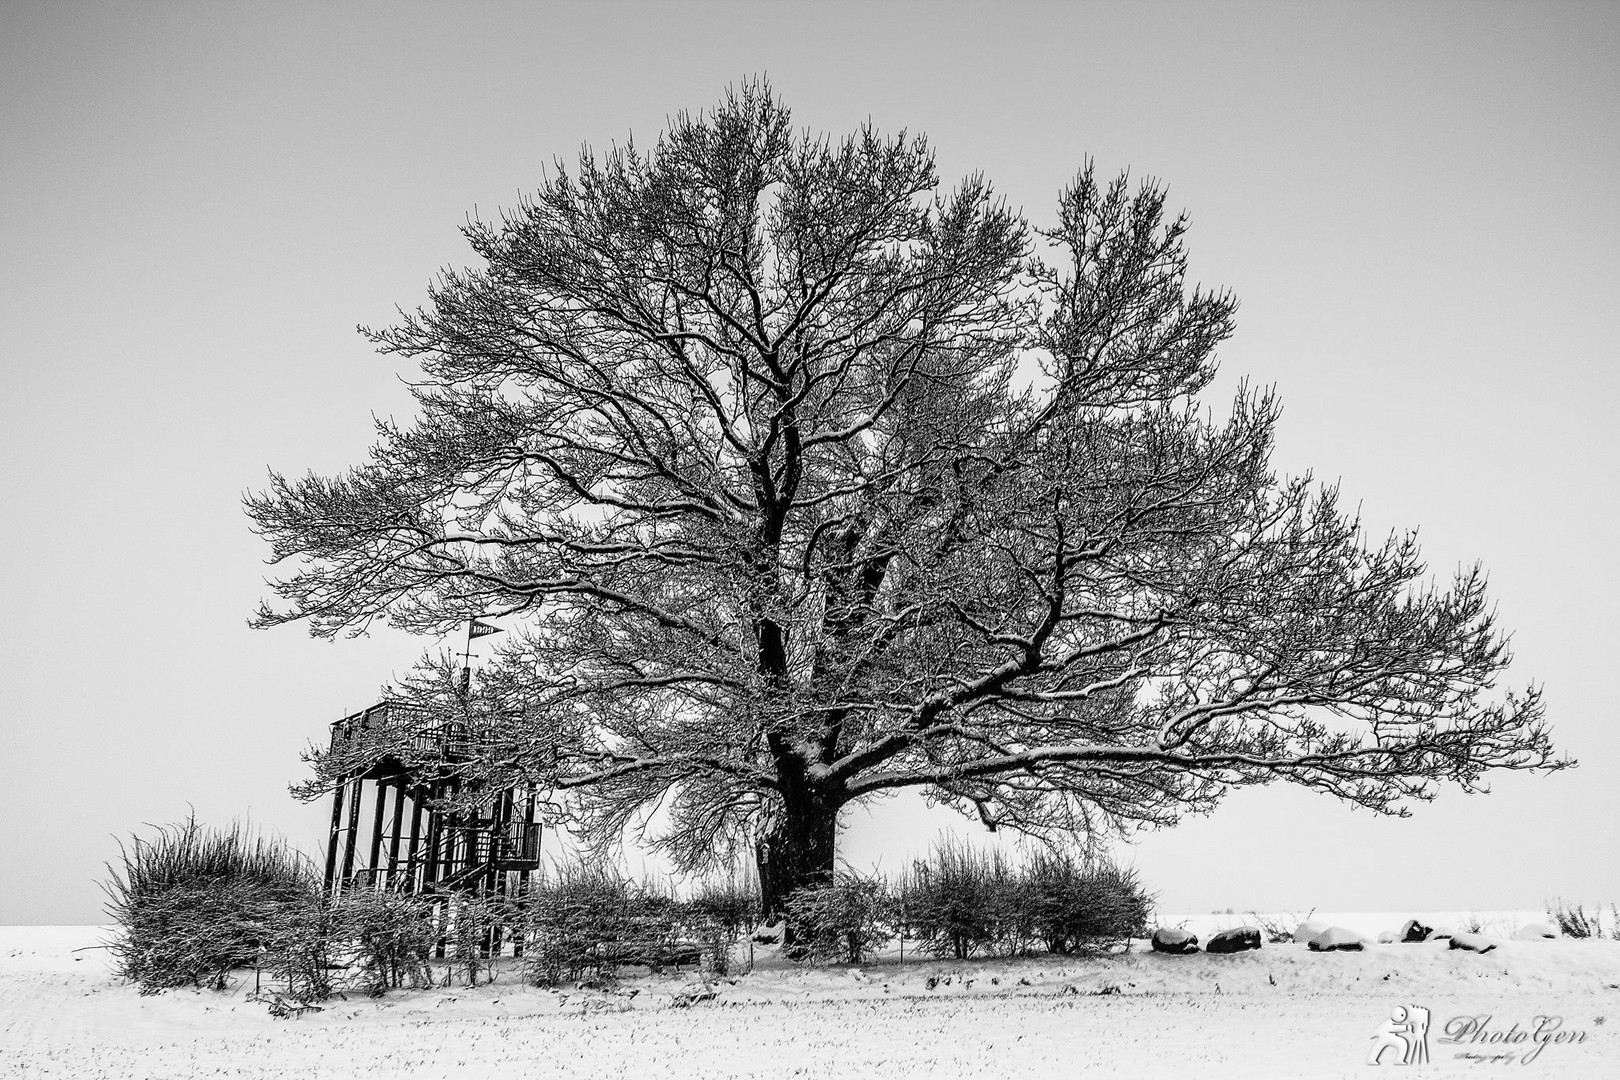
797	853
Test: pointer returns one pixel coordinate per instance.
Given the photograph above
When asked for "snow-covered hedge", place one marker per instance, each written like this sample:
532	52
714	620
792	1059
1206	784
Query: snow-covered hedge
961	902
195	902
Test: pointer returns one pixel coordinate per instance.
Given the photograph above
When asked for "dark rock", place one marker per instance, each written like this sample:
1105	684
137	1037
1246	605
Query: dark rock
1175	942
1337	939
1472	942
1415	931
1241	939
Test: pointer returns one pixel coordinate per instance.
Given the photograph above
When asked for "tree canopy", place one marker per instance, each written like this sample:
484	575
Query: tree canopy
803	479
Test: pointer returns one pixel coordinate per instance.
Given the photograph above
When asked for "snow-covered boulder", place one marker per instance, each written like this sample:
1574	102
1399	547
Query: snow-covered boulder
1308	929
1240	939
1388	937
1472	942
769	934
1337	939
1440	933
1536	931
1167	939
1412	930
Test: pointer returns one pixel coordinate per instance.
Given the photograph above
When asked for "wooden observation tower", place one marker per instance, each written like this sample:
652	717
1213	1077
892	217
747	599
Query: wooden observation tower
390	831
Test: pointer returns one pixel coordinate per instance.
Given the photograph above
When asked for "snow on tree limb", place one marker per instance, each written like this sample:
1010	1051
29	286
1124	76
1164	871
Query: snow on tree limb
804	479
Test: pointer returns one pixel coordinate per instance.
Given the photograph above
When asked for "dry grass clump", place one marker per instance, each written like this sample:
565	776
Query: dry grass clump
1279	929
1574	921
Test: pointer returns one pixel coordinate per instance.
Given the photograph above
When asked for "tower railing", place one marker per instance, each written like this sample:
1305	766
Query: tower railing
403	817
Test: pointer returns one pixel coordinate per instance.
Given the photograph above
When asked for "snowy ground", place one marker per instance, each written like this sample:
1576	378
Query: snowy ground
1279	1012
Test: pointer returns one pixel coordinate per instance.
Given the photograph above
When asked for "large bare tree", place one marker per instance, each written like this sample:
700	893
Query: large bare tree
804	481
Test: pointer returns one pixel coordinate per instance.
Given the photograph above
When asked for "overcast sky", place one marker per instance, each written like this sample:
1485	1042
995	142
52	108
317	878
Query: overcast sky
1415	203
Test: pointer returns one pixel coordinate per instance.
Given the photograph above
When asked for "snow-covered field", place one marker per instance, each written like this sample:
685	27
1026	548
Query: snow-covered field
1280	1012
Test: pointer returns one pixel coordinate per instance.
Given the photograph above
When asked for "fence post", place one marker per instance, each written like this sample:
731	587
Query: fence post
902	920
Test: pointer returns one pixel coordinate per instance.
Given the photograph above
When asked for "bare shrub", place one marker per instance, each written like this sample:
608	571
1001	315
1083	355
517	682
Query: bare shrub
194	903
1076	905
299	947
472	925
845	920
718	914
957	901
732	905
390	937
591	920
